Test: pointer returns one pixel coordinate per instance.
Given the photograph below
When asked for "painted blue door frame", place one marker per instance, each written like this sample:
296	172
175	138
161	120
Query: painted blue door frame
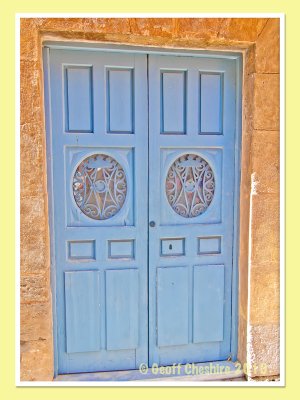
112	209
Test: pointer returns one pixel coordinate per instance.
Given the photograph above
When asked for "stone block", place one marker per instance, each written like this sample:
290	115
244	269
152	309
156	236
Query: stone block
96	26
244	223
205	28
37	360
63	24
161	27
36	321
266	102
265	159
248	103
35	289
242	340
34	253
34	250
250	61
265	229
268	48
34	259
264	294
105	25
29	39
264	350
32	183
243	288
33	158
30	92
33	215
242	29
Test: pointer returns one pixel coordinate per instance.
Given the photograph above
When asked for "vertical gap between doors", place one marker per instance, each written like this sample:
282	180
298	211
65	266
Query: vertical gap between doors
148	171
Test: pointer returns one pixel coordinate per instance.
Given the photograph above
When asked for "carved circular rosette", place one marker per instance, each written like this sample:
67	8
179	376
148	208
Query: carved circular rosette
190	185
99	186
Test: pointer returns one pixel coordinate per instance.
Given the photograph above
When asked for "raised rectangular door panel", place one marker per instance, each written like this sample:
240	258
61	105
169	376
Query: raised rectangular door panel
120	100
121	249
173	106
211	100
208	304
82	291
172	247
78	92
81	250
172	306
122	309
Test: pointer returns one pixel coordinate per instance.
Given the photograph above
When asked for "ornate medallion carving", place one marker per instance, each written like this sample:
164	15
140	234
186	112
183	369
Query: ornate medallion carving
190	185
99	186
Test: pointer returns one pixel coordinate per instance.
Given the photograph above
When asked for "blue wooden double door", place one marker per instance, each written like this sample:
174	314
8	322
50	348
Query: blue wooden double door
141	170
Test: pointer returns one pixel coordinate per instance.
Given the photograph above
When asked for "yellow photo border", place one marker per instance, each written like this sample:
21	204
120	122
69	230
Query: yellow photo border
8	201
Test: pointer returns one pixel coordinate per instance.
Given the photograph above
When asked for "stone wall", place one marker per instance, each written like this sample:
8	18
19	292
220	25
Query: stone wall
258	39
263	318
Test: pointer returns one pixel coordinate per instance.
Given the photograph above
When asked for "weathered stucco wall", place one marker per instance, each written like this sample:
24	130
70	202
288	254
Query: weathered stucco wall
259	205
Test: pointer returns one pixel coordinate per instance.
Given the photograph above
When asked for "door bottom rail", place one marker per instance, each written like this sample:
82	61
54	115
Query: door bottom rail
209	371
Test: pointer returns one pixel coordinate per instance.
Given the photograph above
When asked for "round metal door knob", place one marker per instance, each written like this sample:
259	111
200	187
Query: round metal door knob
152	224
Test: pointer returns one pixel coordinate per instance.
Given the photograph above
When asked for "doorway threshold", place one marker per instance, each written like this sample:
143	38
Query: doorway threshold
209	371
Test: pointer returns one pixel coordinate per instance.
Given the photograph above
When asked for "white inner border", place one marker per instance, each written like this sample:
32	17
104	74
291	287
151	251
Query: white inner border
281	16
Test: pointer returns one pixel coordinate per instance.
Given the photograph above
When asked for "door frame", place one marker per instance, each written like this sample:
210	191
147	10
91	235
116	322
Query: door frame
107	47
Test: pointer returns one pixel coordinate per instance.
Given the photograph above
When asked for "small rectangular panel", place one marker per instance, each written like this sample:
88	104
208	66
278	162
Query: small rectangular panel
121	249
211	103
173	93
172	247
208	303
209	245
81	250
82	297
172	306
122	309
120	100
79	99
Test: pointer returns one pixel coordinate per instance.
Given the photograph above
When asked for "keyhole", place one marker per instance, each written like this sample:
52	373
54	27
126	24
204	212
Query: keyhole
170	247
